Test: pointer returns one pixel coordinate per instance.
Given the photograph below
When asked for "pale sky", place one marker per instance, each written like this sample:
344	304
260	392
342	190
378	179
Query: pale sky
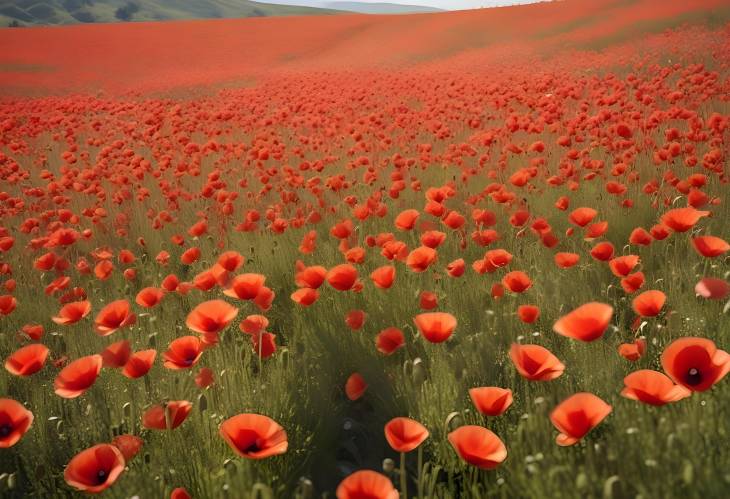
453	4
441	4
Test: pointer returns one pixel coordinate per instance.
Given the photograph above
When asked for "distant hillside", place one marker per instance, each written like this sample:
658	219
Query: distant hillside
39	12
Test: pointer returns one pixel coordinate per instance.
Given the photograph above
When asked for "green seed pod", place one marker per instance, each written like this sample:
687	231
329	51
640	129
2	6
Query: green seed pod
305	489
230	466
688	473
611	487
260	490
453	421
419	372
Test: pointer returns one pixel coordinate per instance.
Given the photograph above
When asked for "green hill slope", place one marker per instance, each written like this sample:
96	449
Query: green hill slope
41	12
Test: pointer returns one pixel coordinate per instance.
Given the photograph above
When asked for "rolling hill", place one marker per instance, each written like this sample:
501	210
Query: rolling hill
44	12
215	53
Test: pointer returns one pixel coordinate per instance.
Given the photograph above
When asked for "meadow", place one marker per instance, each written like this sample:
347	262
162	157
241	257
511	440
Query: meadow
235	254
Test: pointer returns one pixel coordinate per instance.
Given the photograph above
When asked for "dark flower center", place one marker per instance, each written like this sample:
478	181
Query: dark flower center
254	447
5	430
693	377
101	476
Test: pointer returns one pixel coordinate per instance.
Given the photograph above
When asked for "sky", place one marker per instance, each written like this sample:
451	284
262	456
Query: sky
441	4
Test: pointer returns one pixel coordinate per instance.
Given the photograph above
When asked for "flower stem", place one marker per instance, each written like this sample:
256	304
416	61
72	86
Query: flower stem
420	472
403	476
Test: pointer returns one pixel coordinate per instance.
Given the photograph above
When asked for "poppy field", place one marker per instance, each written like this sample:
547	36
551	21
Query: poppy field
454	255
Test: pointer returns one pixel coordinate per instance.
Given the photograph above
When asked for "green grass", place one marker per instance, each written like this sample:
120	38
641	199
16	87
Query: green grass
674	451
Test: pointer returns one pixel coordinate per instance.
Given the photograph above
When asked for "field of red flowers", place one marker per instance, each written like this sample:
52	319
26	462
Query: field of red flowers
474	254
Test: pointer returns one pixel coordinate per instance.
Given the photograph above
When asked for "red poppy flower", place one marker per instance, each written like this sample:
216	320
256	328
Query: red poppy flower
103	270
427	300
602	251
421	258
491	400
183	353
128	445
34	331
622	266
149	297
652	387
566	260
180	493
710	246
435	327
366	484
254	436
713	288
355	319
231	260
649	303
405	434
342	277
389	340
456	268
517	281
433	238
535	363
211	317
586	323
254	324
190	256
695	363
27	360
305	296
95	469
72	312
139	363
632	351
478	446
682	219
245	286
383	277
633	282
264	344
204	378
582	216
166	416
116	355
78	376
528	313
264	299
496	259
355	386
406	220
170	283
311	277
640	236
113	316
659	232
15	420
575	416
